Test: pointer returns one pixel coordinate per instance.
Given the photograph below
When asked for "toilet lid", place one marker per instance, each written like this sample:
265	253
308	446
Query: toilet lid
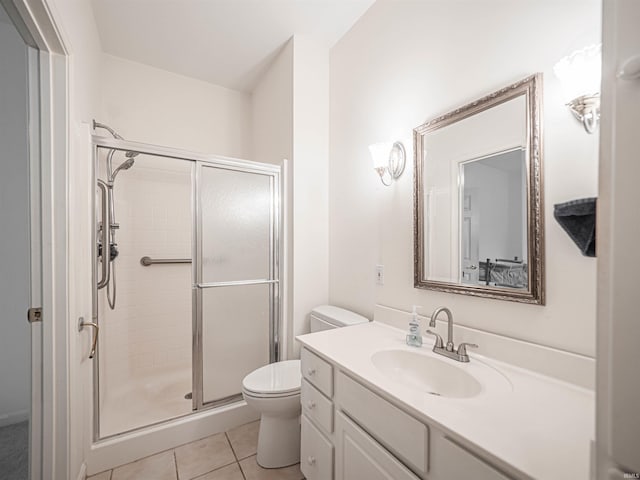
275	378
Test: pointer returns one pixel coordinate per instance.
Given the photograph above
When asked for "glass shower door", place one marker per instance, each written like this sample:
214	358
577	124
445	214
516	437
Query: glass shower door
237	290
144	310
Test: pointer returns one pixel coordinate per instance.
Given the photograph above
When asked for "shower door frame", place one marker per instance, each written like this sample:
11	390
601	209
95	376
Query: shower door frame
276	290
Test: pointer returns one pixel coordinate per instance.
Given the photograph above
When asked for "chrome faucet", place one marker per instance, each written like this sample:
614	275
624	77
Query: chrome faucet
448	350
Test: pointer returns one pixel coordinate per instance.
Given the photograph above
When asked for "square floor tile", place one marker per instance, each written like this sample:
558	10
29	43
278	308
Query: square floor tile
230	472
244	439
253	471
157	467
101	476
203	456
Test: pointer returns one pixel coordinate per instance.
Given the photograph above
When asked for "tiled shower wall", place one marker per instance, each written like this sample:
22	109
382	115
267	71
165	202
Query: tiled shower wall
149	332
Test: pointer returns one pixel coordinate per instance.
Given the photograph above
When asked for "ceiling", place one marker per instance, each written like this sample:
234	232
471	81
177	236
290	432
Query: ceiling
4	17
225	42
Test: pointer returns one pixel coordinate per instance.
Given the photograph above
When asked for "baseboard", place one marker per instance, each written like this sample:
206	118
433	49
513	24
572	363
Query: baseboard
82	474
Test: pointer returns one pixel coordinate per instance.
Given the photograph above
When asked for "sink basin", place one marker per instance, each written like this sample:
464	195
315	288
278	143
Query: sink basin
427	373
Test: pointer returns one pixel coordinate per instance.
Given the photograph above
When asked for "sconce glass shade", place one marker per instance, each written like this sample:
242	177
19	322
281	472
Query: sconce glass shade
380	154
579	75
388	160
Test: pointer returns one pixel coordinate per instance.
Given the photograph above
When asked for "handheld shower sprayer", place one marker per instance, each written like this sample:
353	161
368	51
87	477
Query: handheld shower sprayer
107	247
126	165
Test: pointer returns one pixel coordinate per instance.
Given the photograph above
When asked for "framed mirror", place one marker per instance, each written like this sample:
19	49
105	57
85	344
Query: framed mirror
478	197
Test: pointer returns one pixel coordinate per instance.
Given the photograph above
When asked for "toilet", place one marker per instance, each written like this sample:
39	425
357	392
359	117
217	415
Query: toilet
274	391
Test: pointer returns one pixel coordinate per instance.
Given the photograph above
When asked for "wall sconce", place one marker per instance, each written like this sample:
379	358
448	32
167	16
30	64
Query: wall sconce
579	74
388	160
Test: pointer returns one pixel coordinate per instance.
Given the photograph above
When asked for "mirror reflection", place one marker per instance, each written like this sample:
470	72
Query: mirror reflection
493	220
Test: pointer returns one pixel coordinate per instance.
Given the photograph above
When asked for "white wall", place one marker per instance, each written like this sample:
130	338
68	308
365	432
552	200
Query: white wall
310	180
272	142
75	20
291	121
272	110
15	339
150	105
406	62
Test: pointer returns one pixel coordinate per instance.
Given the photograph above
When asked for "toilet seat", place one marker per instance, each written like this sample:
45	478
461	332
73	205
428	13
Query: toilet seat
280	379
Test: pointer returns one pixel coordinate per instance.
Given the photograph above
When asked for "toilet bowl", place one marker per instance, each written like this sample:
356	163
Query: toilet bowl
274	391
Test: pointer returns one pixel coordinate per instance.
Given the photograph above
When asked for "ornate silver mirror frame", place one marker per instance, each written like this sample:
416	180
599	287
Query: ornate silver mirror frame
530	88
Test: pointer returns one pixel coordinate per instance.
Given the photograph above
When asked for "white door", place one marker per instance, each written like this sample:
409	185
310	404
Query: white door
237	275
618	327
34	315
20	253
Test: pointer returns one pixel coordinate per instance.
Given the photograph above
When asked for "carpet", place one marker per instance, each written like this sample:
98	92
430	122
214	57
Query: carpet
14	451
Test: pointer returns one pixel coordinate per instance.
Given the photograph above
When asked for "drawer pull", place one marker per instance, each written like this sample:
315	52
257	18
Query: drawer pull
311	404
311	460
311	372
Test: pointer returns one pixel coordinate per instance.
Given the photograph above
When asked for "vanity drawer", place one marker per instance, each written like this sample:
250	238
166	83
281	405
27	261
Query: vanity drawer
317	371
316	453
317	407
454	461
403	435
360	457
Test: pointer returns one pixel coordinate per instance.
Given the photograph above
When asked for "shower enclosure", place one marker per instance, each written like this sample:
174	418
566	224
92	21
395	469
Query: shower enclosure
187	281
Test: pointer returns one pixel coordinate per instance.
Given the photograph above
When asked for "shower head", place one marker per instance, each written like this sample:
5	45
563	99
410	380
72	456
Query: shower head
126	165
130	154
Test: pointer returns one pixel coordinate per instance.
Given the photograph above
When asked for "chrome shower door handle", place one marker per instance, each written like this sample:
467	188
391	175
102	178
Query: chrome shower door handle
104	236
96	330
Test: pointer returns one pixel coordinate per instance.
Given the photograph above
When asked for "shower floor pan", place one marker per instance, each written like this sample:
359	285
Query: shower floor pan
145	401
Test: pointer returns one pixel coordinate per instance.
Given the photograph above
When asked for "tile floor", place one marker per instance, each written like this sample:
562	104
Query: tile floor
225	456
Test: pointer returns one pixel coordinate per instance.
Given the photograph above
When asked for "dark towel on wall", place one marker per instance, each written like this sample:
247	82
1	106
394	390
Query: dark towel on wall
578	219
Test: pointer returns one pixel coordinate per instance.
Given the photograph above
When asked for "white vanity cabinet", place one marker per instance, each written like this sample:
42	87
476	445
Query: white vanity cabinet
350	432
401	434
317	446
360	457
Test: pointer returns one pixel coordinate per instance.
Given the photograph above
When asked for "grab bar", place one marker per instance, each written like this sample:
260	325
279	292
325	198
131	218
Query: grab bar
146	261
104	235
234	283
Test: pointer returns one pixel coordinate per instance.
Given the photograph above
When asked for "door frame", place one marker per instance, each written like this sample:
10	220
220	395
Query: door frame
48	145
617	448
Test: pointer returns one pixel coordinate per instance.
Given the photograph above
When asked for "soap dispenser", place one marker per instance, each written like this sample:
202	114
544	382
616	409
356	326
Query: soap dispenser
414	338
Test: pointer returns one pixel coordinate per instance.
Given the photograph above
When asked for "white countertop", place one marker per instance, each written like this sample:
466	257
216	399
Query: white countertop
542	427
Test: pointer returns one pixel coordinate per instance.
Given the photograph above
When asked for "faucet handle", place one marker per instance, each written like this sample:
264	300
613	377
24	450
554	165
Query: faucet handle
462	348
439	343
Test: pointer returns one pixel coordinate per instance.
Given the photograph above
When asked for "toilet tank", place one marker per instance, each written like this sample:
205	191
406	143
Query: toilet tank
326	317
